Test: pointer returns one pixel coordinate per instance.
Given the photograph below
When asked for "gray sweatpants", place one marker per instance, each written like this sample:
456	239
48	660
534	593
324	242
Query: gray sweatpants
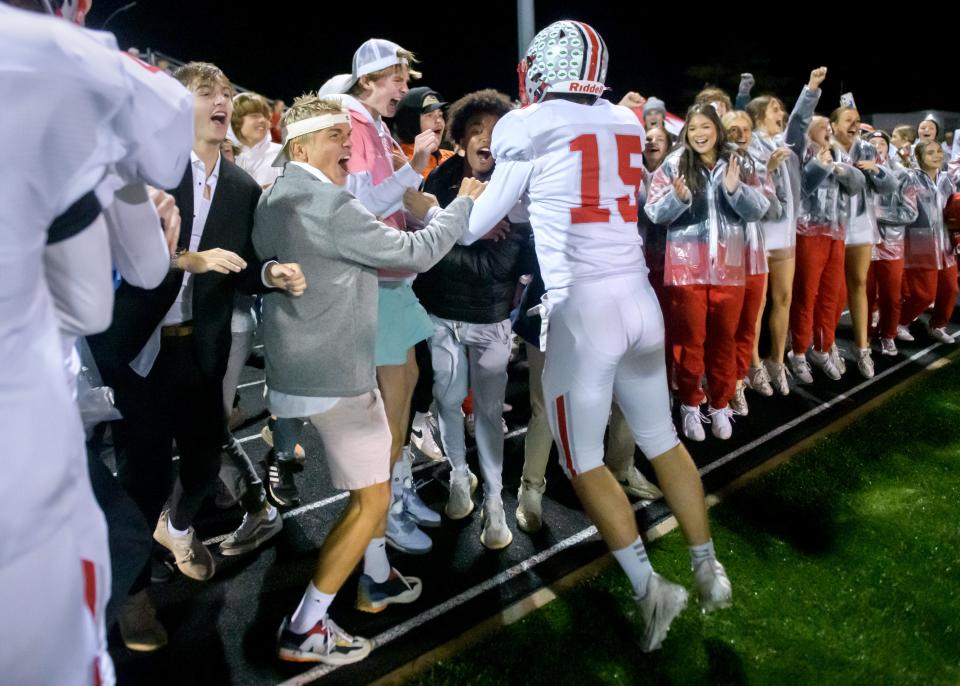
472	356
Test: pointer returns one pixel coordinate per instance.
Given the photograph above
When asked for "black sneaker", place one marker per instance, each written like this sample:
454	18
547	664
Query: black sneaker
325	642
281	486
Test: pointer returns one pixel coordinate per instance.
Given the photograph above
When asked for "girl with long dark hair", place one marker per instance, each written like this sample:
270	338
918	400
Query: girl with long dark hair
699	195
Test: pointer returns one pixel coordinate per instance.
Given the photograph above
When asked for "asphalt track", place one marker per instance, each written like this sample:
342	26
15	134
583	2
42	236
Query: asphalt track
223	631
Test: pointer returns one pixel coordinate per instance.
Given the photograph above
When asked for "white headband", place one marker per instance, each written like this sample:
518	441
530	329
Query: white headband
305	126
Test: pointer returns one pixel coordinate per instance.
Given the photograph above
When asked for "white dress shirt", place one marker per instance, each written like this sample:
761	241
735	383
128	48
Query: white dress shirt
203	189
182	308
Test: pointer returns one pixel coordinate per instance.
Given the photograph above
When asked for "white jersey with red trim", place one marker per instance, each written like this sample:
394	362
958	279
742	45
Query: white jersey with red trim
584	168
76	112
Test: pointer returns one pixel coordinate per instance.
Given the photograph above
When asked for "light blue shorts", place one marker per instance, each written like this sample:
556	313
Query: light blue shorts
401	323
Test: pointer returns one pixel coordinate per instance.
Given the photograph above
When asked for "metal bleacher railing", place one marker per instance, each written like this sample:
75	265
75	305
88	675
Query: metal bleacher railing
157	58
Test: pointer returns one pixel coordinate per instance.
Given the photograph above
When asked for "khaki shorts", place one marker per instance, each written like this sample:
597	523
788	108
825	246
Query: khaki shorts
356	441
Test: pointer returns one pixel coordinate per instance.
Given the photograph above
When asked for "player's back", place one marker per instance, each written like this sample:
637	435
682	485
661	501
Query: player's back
587	168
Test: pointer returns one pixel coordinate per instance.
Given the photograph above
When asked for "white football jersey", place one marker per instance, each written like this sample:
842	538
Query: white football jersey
585	167
76	110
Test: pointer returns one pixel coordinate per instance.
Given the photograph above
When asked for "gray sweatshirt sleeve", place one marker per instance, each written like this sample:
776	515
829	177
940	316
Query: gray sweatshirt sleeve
360	237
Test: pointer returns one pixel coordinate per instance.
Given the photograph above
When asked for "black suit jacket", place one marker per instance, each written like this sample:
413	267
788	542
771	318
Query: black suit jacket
137	312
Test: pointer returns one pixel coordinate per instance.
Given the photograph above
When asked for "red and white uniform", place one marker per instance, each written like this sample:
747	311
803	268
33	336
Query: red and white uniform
77	111
577	169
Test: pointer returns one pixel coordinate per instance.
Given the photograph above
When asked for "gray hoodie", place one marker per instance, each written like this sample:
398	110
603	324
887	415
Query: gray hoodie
321	343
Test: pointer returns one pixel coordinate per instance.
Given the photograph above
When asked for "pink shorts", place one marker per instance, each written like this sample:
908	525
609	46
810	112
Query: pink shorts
356	441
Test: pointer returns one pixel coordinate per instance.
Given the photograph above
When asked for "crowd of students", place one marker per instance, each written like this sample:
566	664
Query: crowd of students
388	286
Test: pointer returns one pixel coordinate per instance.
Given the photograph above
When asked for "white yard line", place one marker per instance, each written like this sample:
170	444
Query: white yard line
438	610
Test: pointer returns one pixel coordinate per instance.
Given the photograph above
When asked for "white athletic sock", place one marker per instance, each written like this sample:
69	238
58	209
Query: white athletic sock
633	560
176	532
271	512
704	551
312	608
420	417
375	563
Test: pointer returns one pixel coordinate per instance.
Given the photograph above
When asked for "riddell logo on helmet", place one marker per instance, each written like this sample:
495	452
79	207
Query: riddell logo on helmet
588	88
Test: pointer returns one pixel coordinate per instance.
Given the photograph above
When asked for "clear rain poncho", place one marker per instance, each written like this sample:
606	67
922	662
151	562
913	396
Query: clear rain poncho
894	211
780	233
826	190
706	235
862	226
756	249
927	241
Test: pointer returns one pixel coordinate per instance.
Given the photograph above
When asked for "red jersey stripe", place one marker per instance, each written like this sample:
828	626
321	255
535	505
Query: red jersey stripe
564	437
90	586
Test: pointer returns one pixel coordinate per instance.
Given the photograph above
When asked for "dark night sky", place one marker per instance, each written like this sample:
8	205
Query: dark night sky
291	47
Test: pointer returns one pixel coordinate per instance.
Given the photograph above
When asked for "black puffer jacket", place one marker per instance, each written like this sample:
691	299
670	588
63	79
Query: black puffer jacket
476	283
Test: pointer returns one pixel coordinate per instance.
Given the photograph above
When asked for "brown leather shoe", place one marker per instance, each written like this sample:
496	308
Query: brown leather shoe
193	558
139	627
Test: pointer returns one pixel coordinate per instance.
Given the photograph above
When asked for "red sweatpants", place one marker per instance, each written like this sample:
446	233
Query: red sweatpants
704	322
747	326
818	292
883	291
925	286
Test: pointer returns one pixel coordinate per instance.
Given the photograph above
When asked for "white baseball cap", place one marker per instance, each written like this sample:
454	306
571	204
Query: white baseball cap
336	85
374	55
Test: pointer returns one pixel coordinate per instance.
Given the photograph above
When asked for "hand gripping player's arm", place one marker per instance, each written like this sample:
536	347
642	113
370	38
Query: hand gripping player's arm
513	151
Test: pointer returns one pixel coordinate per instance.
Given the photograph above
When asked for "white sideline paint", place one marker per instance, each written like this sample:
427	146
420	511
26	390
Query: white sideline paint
251	383
398	631
716	464
521	567
726	459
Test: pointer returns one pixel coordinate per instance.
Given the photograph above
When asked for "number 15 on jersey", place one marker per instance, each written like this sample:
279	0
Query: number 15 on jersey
590	210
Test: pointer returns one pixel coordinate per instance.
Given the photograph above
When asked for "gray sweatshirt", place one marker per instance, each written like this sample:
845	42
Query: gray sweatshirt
321	343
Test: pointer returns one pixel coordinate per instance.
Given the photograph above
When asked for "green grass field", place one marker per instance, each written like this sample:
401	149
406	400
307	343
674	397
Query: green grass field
845	564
